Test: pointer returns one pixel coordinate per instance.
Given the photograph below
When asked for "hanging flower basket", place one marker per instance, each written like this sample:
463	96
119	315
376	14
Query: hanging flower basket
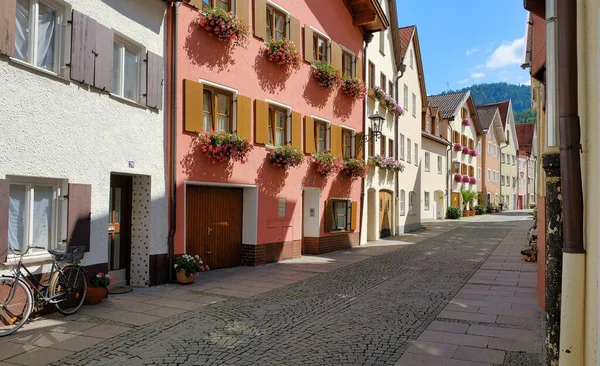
466	122
388	163
283	52
355	168
465	179
223	25
472	180
457	147
222	146
354	87
458	178
466	150
326	163
326	75
473	152
286	156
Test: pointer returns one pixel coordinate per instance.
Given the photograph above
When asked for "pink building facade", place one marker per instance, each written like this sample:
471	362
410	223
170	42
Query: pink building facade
523	177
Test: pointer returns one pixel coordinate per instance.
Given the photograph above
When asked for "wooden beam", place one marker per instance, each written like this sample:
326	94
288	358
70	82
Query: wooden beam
537	7
364	18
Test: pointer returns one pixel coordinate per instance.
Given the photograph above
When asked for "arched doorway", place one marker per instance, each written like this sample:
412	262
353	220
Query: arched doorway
438	199
385	214
372	214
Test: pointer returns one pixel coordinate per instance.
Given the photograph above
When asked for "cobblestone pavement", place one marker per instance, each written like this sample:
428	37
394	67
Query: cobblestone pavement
364	313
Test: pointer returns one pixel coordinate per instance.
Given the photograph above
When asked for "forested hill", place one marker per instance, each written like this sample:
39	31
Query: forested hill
498	92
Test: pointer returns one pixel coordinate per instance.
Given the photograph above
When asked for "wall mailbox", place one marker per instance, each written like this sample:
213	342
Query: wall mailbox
281	208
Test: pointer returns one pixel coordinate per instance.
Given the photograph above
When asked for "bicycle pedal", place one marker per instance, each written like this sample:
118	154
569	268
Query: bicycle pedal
13	320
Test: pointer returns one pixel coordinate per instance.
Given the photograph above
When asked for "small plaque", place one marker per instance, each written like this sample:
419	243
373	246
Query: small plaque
281	208
312	212
132	164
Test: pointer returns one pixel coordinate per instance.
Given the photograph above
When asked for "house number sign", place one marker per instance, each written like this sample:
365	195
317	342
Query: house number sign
281	208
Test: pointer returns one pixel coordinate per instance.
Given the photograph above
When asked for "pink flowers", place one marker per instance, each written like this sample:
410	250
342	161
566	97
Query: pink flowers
355	168
354	87
457	147
472	180
387	101
326	163
223	25
473	152
283	52
466	122
388	163
326	75
458	178
222	146
286	156
465	179
465	150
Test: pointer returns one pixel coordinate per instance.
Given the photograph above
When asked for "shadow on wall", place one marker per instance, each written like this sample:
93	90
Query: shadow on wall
312	178
149	17
195	164
343	105
271	77
270	179
204	50
342	185
315	95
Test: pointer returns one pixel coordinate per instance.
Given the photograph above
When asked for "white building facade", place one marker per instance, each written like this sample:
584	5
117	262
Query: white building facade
434	169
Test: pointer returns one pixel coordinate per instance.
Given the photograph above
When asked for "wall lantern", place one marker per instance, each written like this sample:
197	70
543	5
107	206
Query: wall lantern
376	124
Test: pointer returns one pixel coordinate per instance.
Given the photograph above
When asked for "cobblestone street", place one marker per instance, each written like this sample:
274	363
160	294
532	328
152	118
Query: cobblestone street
367	312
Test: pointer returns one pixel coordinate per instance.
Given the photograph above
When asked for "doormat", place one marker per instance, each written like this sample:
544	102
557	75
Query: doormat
119	290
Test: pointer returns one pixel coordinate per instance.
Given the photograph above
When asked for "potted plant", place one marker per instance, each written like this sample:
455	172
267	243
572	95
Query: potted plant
222	146
473	152
458	178
326	75
97	288
457	147
187	267
472	180
354	87
223	25
465	179
355	168
466	122
282	52
326	163
377	93
286	156
465	149
468	197
377	160
480	209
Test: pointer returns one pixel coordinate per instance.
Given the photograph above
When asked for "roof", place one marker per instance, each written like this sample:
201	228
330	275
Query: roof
433	137
405	36
448	103
486	116
395	37
525	136
502	108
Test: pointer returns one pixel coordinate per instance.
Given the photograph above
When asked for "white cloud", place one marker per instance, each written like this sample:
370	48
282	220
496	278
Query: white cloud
480	66
471	51
463	81
507	54
478	75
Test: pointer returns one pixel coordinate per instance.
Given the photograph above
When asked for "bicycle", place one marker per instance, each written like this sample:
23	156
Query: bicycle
66	289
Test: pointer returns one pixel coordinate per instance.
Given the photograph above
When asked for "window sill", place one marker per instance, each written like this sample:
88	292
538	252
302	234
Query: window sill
40	70
37	258
340	231
132	103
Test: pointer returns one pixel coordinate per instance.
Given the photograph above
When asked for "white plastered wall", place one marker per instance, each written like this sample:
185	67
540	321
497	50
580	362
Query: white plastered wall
433	182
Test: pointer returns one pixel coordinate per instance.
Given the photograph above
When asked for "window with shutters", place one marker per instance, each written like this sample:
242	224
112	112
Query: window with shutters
126	69
402	203
391	88
342	214
456	137
321	136
440	163
320	48
371	144
478	173
348	147
428	123
382	81
401	147
382	146
426	201
276	23
39	33
217	108
463	140
347	64
278	125
411	203
221	4
392	153
437	127
371	75
427	161
408	150
479	148
463	169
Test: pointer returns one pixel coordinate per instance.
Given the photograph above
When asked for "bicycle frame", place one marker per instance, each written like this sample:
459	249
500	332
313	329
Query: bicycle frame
30	278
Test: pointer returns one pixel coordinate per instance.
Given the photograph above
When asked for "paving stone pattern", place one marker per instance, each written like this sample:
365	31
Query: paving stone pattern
365	313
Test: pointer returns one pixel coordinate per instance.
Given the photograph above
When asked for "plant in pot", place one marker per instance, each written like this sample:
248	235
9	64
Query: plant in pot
326	163
473	152
223	25
355	168
97	288
326	75
458	178
286	156
466	150
187	267
354	87
468	197
222	146
457	147
480	209
466	122
283	52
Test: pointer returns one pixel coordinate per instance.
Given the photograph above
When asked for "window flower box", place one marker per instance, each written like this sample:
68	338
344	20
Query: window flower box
457	147
465	179
472	180
326	75
326	163
286	156
355	168
388	163
466	122
466	150
223	25
222	146
354	87
473	152
283	52
458	178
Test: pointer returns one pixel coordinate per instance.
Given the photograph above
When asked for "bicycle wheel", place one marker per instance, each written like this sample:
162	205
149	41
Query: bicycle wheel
68	288
16	304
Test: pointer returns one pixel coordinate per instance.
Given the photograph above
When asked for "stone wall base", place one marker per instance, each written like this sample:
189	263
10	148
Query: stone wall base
256	255
331	243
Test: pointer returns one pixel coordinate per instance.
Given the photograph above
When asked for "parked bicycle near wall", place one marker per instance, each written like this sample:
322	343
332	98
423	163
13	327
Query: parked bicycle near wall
20	291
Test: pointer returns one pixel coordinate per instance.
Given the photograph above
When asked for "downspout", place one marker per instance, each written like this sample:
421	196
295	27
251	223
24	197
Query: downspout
397	147
505	182
173	213
573	276
449	165
367	37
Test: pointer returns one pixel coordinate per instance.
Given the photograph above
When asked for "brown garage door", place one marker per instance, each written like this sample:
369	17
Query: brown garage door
214	225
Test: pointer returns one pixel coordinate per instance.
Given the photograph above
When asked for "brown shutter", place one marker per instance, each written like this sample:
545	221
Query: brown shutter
328	215
359	68
193	101
296	130
308	44
336	56
261	123
83	43
8	11
154	81
309	135
358	145
196	3
296	33
4	194
244	117
242	10
79	215
260	19
336	140
354	217
103	66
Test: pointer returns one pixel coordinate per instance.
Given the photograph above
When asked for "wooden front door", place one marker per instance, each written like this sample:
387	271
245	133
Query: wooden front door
119	228
455	199
214	225
385	214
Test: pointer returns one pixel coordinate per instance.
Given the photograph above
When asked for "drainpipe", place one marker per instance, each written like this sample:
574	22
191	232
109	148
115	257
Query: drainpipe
505	182
573	276
449	165
397	147
173	213
367	38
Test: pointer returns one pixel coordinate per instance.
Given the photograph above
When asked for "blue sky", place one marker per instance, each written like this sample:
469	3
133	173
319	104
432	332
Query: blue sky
466	42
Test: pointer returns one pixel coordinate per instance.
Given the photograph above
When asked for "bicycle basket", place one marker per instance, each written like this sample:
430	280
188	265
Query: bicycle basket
73	254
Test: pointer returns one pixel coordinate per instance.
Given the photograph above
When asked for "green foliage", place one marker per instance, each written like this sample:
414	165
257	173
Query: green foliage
453	213
526	116
468	197
498	92
481	209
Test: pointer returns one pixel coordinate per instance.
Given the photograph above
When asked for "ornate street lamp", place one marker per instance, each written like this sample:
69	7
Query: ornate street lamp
376	123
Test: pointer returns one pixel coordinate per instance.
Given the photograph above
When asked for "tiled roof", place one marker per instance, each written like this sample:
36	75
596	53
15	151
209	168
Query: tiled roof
486	116
525	136
448	103
433	137
405	36
502	108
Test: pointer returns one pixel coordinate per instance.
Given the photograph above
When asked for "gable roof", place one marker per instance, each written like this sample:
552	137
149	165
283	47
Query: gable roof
395	37
409	34
406	34
448	103
503	108
486	116
525	136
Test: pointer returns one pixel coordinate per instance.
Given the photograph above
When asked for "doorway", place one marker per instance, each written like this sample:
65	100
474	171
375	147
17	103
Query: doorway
119	229
439	204
455	199
385	214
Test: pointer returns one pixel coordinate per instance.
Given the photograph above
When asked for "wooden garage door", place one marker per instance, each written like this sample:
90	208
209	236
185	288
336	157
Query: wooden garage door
214	225
385	214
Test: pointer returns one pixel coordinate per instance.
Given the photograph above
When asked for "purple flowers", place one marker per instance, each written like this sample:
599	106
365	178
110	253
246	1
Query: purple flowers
473	152
465	149
458	178
465	179
388	163
466	122
457	147
472	180
386	101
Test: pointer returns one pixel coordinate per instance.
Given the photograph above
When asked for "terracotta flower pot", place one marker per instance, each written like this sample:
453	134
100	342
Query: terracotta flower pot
465	213
183	279
95	295
472	213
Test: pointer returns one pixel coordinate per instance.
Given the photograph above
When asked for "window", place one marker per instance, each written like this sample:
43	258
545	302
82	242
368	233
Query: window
391	88
426	161
437	127
222	4
347	144
416	154
217	110
392	153
382	44
371	75
342	212
347	61
503	157
411	59
277	125
408	148
501	180
428	123
38	33
426	201
126	70
402	203
405	96
411	203
33	213
489	175
320	136
489	148
456	137
320	48
414	105
478	173
371	144
401	146
495	150
382	150
513	160
276	24
439	164
382	81
464	140
479	148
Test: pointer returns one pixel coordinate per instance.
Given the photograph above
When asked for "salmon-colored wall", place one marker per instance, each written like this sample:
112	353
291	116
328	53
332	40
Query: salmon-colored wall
488	161
251	74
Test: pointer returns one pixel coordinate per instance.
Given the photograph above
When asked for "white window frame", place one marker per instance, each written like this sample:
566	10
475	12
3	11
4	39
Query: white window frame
405	106
495	150
327	130
344	49
479	148
328	43
427	200
408	150
427	161
478	173
140	69
277	7
288	122
416	162
489	175
440	164
414	104
489	148
401	146
411	203
402	203
234	93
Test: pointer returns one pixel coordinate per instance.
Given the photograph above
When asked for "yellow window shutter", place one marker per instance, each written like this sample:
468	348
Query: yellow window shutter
328	216
336	140
261	122
308	44
242	10
336	56
244	117
358	145
193	101
296	130
196	3
309	135
354	217
359	68
260	18
296	33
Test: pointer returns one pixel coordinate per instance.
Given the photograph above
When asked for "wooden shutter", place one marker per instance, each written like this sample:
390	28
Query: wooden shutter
336	140
308	44
359	68
196	3
193	102
336	55
83	43
8	11
354	217
103	65
328	215
244	117
260	19
242	10
296	33
261	122
309	135
4	196
154	81
359	145
296	130
79	215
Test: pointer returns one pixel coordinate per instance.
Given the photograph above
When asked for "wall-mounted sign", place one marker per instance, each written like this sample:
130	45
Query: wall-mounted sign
132	164
281	208
312	212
